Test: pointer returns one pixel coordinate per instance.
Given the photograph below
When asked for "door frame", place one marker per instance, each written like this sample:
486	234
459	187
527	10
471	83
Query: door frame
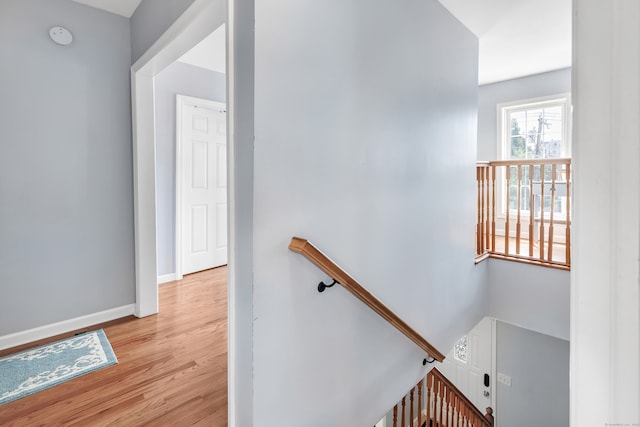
494	366
180	100
200	19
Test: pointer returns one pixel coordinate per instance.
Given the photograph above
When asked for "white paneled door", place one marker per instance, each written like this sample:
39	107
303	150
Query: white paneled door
202	181
469	365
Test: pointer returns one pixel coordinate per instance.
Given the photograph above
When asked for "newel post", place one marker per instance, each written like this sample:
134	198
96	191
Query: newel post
489	416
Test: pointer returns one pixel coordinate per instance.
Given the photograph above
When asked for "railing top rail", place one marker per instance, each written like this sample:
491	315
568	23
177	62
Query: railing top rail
535	162
306	248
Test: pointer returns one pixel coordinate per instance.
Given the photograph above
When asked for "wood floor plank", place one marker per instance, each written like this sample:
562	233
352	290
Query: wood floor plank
171	371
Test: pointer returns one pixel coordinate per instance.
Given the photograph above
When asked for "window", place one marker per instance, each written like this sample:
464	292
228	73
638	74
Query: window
535	129
460	350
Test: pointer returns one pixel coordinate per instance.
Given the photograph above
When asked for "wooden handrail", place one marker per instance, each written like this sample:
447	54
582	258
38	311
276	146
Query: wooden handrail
536	162
306	248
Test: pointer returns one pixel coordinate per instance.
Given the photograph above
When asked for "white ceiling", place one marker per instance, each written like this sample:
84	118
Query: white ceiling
516	37
119	7
209	53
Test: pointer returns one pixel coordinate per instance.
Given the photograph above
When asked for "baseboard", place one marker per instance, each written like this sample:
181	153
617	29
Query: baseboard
168	278
53	329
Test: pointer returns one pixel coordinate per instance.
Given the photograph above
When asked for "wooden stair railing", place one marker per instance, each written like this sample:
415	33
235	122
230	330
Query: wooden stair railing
304	247
444	406
524	211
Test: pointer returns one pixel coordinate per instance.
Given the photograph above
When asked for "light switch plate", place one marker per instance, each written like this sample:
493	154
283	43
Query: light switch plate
504	379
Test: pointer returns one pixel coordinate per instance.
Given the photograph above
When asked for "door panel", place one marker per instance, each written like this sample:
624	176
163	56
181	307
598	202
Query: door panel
467	373
202	164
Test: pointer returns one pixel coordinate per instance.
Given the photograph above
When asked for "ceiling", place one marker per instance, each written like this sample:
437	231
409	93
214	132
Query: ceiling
516	37
209	53
119	7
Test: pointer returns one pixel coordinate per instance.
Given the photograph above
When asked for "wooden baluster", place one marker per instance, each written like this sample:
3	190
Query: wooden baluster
478	224
531	221
447	409
448	416
456	406
493	208
395	416
553	198
436	401
454	418
518	218
420	403
441	390
411	406
428	399
464	416
486	195
404	422
463	411
485	190
568	218
450	404
506	224
443	409
542	213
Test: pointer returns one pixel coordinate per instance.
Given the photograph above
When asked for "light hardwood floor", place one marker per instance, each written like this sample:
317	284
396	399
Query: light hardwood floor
172	368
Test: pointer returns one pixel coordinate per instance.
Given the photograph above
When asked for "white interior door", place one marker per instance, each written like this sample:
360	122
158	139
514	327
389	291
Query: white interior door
202	175
467	368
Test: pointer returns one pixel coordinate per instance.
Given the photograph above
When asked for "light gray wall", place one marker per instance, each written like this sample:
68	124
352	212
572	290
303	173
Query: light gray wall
365	129
539	369
530	296
150	20
177	79
66	216
490	95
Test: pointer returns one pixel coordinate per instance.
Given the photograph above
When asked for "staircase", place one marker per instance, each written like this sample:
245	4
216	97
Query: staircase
443	406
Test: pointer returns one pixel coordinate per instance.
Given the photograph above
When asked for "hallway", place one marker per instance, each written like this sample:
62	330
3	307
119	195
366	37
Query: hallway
172	367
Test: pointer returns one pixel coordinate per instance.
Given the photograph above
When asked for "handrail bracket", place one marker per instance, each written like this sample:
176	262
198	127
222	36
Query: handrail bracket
322	286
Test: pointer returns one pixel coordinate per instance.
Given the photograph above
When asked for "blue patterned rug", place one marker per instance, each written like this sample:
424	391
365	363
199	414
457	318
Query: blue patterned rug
39	368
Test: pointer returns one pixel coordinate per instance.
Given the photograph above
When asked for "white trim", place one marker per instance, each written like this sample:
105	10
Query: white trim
53	329
198	21
503	127
168	278
605	296
144	188
180	101
178	184
494	368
